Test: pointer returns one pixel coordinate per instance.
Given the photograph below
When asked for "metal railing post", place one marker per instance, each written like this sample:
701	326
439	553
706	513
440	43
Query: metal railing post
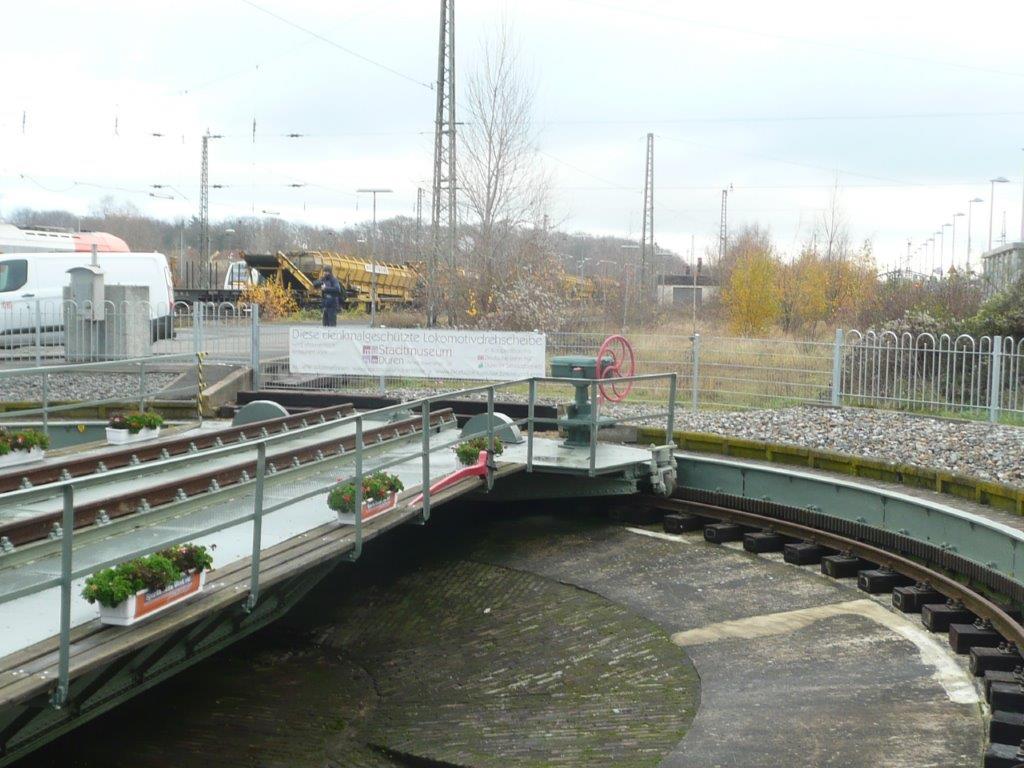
357	549
695	374
257	527
995	384
39	336
671	425
490	437
254	346
142	385
593	427
530	407
425	511
60	694
837	369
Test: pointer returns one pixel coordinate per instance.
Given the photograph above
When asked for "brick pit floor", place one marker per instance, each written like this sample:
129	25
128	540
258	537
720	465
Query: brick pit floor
556	639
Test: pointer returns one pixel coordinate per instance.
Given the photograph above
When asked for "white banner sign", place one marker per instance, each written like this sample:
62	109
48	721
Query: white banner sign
432	353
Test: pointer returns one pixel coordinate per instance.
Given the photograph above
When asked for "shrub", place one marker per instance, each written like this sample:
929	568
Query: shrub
376	487
112	586
275	301
1001	315
469	451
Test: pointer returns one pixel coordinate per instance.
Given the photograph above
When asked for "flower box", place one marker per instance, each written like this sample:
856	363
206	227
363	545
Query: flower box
125	436
22	457
147	603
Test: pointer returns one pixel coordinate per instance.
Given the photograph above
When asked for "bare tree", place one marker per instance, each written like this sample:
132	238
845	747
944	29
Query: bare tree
831	236
504	186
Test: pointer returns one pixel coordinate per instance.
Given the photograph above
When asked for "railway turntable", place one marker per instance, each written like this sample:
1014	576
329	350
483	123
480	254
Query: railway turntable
276	503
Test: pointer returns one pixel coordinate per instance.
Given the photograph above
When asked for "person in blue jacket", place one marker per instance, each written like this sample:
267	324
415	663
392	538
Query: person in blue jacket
333	296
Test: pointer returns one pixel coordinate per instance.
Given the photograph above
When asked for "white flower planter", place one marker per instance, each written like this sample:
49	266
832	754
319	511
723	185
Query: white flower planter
374	508
21	457
145	604
370	509
123	436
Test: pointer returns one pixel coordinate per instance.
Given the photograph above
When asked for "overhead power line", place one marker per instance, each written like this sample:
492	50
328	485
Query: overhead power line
339	46
830	45
782	118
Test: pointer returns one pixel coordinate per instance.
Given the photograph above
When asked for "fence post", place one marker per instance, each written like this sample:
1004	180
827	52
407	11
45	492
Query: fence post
46	403
197	327
254	360
695	373
995	382
39	336
837	369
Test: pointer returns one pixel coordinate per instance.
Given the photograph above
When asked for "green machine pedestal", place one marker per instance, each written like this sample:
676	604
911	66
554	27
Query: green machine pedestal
579	415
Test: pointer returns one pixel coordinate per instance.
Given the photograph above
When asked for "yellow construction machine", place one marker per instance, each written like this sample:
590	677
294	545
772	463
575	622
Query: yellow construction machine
297	271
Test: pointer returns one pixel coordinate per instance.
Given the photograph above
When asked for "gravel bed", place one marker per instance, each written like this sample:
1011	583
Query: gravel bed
977	449
974	448
81	386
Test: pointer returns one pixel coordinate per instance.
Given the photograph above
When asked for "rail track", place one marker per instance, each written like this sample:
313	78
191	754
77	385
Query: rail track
147	490
953	594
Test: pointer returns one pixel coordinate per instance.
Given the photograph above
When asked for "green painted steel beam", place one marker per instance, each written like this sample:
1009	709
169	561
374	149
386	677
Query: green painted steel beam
29	727
979	539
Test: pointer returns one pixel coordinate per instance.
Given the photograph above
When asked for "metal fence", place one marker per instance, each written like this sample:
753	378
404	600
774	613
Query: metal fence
966	375
978	377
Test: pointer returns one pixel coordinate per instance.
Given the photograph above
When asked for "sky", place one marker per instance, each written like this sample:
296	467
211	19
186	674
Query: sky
909	108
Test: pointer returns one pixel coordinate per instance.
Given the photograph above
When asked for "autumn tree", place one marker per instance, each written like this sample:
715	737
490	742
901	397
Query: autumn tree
751	293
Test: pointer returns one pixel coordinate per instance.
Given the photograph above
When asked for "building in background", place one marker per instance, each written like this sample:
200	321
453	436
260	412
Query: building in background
678	290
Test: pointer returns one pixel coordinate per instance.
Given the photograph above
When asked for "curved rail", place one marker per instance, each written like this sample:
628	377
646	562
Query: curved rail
972	600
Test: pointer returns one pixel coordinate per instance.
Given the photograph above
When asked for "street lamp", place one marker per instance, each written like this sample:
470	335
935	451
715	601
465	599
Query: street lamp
626	281
938	233
942	248
952	248
970	204
992	204
373	253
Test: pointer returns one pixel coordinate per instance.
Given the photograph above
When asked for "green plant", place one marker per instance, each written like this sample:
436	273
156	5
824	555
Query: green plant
469	451
23	440
376	487
136	421
114	585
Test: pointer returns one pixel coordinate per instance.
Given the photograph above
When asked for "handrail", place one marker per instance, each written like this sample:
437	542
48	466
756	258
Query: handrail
67	487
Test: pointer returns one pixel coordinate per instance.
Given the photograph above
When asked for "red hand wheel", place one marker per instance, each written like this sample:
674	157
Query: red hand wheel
623	365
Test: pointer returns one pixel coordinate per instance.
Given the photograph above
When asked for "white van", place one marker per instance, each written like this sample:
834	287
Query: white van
28	278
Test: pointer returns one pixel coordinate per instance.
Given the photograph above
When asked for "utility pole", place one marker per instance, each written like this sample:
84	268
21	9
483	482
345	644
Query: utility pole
952	248
992	204
970	205
723	227
419	249
444	216
373	253
647	233
204	199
